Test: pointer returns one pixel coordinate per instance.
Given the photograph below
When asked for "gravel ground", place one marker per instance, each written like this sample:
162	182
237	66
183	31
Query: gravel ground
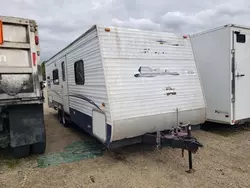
223	162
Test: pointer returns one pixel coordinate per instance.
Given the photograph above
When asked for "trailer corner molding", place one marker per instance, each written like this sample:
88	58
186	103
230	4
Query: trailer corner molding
145	71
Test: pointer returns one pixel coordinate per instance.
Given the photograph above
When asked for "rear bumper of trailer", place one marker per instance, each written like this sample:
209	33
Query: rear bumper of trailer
233	122
133	127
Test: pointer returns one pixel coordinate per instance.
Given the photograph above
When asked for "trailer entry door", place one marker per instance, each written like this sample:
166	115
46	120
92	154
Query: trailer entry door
242	74
65	85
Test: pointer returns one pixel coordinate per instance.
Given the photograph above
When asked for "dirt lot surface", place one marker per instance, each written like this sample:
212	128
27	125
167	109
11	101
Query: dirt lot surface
223	162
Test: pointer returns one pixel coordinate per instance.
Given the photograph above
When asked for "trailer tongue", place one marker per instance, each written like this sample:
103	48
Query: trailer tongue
178	137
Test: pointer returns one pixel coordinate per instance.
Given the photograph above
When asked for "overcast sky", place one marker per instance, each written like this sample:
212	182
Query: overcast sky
61	21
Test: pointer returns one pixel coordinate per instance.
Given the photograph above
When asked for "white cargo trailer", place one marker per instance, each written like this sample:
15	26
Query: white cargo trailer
118	84
21	97
223	60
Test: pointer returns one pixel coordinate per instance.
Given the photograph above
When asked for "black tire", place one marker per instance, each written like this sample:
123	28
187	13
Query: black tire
59	116
65	122
38	148
21	151
62	119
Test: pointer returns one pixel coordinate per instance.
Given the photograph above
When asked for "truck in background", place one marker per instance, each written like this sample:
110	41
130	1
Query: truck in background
21	96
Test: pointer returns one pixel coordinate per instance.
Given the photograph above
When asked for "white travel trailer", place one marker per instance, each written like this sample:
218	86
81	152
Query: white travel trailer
118	84
223	60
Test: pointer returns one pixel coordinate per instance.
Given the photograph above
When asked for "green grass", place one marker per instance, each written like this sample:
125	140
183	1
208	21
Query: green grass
9	161
12	163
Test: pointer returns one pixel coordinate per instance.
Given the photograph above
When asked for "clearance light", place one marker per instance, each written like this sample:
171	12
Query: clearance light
36	40
1	32
107	29
34	58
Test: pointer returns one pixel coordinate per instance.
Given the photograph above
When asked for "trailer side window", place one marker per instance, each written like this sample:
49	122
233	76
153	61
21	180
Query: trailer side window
63	71
48	81
79	72
241	38
55	77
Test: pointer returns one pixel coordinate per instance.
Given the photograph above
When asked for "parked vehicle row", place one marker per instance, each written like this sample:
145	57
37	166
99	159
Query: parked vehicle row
122	85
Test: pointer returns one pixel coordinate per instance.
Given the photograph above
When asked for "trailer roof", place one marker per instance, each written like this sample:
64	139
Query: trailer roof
84	34
220	27
88	31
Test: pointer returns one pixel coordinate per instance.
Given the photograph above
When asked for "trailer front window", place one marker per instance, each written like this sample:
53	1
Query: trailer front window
55	77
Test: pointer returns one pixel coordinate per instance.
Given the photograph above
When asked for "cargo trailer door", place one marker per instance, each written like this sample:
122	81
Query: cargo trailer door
241	73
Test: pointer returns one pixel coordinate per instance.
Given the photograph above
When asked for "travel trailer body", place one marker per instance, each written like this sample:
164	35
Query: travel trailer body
119	84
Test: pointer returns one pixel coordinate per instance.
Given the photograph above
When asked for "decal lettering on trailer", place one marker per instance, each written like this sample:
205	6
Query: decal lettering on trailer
221	112
170	91
145	71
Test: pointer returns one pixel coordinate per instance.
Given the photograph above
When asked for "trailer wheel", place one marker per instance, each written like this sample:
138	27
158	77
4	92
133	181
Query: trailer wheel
65	122
21	151
59	116
38	148
62	119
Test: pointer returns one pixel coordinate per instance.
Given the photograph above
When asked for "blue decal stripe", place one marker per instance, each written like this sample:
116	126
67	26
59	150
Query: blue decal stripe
86	99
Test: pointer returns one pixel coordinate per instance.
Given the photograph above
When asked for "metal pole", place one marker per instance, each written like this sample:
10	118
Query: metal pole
158	140
177	117
190	161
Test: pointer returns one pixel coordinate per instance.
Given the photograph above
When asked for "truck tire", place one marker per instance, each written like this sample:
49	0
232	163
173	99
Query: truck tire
21	151
38	148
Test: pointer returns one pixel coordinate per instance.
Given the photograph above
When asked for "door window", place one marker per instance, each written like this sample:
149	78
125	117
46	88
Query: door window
55	77
63	71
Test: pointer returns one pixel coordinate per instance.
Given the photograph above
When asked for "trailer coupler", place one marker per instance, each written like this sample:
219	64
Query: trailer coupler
178	137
